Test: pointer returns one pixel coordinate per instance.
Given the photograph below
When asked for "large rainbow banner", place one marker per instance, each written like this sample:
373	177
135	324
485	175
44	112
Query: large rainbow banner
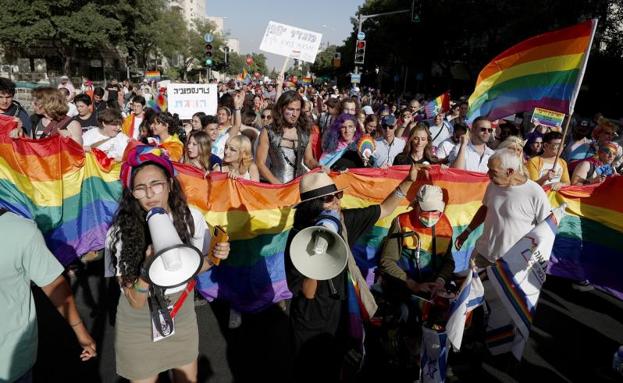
72	197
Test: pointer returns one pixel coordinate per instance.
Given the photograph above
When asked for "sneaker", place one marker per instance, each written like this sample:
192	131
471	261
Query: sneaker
584	285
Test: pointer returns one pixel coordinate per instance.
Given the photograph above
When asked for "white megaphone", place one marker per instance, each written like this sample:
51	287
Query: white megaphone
173	262
319	252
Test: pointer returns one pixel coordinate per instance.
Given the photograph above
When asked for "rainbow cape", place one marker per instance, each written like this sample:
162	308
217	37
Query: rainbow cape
72	196
439	105
543	71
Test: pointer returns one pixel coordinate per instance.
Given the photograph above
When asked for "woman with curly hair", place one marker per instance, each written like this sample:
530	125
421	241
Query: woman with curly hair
165	127
148	180
419	147
238	161
339	144
52	105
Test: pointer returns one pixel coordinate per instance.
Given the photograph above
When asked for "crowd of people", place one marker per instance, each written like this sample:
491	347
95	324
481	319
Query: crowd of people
274	133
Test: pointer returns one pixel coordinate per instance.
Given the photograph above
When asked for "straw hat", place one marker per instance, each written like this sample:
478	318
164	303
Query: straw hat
316	185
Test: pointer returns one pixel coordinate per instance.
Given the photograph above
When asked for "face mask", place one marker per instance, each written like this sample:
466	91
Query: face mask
429	218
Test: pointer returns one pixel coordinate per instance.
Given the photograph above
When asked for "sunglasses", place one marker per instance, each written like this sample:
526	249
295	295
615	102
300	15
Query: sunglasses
490	130
329	198
266	117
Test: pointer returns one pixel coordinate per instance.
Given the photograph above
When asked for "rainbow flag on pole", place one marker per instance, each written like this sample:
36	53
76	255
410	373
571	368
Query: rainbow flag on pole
439	105
544	71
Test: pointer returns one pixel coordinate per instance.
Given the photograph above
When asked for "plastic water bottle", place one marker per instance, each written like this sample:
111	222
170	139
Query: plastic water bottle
617	361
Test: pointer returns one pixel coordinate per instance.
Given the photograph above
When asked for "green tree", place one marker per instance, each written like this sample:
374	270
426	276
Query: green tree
324	61
66	25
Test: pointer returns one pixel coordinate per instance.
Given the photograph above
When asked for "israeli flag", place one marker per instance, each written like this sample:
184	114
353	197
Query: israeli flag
434	356
471	295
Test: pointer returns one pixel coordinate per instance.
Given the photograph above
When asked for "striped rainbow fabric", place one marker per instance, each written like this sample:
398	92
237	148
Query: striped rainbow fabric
70	195
543	71
438	105
73	198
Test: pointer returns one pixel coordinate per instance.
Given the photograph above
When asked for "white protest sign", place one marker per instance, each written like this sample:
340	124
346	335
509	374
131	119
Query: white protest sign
188	99
283	40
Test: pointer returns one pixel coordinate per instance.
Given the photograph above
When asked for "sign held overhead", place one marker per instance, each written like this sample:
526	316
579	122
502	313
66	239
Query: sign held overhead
289	41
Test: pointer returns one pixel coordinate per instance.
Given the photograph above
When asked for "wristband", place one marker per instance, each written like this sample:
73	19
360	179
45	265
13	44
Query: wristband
468	230
399	193
139	289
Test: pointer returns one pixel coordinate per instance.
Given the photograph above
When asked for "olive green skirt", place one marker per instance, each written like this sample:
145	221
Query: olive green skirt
138	356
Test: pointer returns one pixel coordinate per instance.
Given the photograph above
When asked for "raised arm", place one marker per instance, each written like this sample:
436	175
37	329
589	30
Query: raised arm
392	201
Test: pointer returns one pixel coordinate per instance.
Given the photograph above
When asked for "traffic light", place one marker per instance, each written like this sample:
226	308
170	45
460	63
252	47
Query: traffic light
360	52
208	53
416	11
226	59
337	60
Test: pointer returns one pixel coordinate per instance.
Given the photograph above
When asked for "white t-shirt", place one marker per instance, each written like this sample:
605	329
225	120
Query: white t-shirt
511	213
440	133
137	124
445	148
474	161
113	148
201	240
218	146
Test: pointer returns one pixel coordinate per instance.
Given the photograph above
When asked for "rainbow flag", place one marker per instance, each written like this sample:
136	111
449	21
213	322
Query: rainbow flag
152	75
543	71
72	196
439	105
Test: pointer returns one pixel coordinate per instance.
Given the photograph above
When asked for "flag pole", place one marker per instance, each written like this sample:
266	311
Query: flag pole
576	91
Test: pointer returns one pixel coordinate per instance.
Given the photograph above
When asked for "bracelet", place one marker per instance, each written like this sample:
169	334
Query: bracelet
237	109
468	230
399	193
139	289
77	323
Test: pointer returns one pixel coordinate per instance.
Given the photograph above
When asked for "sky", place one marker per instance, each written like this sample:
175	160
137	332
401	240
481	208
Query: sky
246	20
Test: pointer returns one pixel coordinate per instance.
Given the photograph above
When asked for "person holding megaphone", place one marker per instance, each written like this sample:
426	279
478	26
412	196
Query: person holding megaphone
320	270
155	245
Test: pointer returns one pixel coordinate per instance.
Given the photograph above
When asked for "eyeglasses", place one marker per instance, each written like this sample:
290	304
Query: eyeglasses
329	198
266	117
388	126
490	130
156	187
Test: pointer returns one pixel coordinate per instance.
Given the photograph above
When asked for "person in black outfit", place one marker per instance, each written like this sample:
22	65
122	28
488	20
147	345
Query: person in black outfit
98	100
318	310
86	118
10	107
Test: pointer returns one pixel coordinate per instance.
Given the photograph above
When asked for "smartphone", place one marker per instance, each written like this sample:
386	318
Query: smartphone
219	235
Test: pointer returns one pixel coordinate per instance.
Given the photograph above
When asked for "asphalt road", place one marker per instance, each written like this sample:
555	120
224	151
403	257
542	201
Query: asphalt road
573	339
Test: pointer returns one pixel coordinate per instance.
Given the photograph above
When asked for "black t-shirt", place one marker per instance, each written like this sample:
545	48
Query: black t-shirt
325	313
405	159
87	124
113	90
